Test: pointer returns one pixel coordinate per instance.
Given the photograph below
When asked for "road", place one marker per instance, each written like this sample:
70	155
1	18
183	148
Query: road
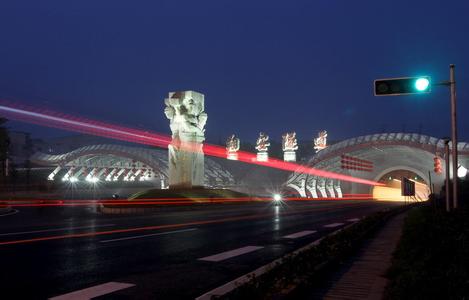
173	253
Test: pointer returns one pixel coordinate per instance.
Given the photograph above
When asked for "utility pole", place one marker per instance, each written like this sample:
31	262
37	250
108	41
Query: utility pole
447	189
454	135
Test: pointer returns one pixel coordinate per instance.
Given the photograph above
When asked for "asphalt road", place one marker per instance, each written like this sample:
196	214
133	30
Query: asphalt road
174	253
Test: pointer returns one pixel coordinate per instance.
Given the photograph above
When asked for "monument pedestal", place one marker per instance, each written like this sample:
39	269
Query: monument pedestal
262	156
232	156
289	156
186	162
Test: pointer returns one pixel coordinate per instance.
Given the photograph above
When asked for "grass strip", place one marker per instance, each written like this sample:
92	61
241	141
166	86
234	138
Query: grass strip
432	258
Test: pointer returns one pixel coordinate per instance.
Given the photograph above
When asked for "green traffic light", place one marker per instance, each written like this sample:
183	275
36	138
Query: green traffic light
422	84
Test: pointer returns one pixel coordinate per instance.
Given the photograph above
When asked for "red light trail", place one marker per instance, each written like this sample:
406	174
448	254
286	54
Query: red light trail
159	227
163	201
61	121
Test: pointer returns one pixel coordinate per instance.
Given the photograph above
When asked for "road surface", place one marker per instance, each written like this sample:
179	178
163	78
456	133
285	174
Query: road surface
174	253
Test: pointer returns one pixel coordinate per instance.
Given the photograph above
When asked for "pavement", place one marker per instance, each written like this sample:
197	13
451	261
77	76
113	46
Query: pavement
174	253
363	277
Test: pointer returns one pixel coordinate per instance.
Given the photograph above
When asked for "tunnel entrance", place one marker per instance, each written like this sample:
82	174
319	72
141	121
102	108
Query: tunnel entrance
392	189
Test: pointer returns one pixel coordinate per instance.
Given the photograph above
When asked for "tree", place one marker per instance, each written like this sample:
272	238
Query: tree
4	145
28	149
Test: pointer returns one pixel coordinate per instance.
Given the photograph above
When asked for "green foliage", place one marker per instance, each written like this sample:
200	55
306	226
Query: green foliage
4	145
432	259
4	140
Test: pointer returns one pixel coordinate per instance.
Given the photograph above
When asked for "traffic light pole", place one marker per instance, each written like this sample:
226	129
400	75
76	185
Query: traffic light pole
454	132
418	85
454	135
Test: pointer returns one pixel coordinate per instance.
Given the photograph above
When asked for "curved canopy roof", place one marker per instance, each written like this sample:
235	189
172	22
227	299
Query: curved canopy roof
156	159
413	140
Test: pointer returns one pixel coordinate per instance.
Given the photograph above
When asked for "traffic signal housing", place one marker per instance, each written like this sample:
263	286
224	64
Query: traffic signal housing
437	165
402	86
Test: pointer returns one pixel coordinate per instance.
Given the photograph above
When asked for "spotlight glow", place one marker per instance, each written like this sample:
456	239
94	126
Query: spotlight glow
462	172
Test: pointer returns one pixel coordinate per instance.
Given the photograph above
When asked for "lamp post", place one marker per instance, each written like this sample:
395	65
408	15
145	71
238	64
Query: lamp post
454	135
448	205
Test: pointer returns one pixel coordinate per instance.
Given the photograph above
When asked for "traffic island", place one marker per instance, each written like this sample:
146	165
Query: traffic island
156	199
5	208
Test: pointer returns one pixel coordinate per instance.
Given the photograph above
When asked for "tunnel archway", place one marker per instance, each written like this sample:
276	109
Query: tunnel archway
380	154
392	178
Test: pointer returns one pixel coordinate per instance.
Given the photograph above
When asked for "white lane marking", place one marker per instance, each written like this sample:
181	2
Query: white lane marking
299	234
230	254
354	220
94	291
147	235
333	225
14	212
57	229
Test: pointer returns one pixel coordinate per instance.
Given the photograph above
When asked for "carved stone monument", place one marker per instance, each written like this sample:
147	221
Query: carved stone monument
262	147
232	147
185	110
289	146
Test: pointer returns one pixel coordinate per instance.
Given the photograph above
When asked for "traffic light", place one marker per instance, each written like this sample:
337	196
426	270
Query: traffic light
402	86
437	165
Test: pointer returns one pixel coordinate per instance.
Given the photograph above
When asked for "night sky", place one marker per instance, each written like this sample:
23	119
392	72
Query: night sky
272	66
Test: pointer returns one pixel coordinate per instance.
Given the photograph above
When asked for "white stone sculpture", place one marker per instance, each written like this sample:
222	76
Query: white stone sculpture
289	146
185	110
232	147
321	141
262	147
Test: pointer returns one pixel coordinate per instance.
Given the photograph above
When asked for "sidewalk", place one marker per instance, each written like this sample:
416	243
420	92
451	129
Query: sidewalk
363	277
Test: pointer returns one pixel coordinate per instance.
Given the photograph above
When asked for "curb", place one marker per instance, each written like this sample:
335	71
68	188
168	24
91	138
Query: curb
7	211
126	210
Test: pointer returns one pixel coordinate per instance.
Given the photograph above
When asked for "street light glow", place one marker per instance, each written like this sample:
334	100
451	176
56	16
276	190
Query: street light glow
462	172
422	84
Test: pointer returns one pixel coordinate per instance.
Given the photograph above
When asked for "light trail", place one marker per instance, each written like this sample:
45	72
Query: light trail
167	226
163	201
82	125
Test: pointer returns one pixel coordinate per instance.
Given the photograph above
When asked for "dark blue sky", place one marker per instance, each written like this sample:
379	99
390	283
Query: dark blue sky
270	66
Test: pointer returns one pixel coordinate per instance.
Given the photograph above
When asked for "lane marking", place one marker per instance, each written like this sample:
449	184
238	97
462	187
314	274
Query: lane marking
147	235
94	291
57	229
354	220
14	212
299	234
333	225
229	254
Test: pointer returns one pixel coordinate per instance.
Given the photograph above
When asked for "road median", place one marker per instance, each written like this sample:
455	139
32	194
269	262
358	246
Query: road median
295	272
